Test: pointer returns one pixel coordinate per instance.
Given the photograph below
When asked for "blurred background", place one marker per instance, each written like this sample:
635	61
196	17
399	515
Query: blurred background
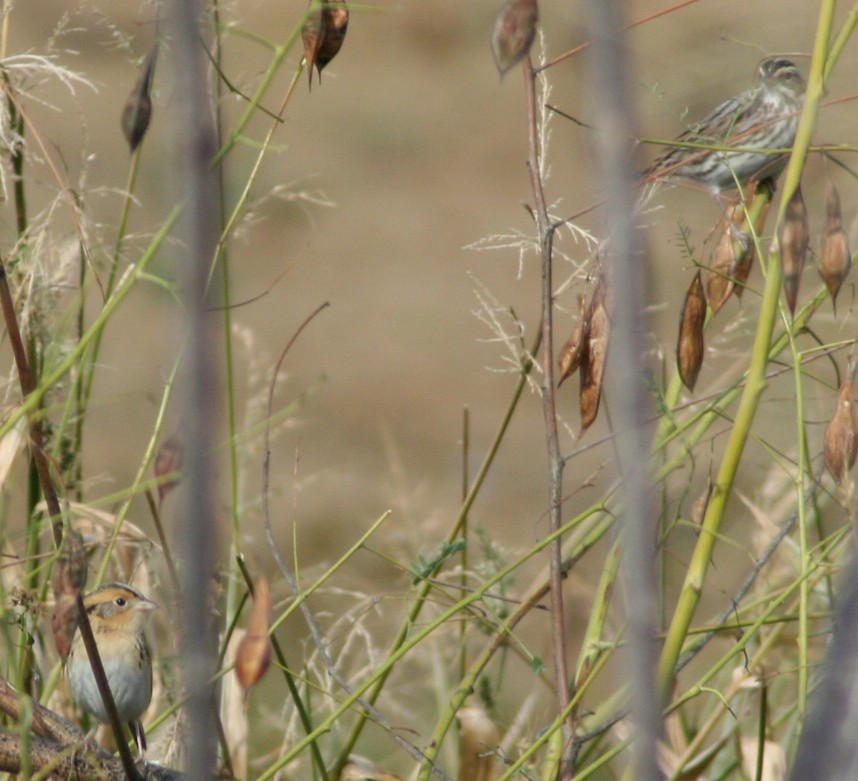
389	181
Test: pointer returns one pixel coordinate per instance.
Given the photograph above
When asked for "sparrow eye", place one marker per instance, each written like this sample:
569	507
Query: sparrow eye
120	601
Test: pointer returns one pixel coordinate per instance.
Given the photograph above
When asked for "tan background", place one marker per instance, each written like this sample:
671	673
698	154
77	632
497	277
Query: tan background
422	150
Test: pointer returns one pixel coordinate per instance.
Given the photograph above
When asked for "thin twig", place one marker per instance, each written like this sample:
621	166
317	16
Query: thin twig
555	459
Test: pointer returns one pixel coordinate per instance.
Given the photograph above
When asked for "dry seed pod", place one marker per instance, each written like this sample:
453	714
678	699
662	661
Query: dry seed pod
312	34
515	28
841	436
725	267
168	460
834	259
794	237
138	108
478	742
719	283
742	268
570	356
336	25
690	347
592	372
254	651
323	35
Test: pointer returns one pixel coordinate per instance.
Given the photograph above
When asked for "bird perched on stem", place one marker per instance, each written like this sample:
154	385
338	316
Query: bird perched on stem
118	615
736	142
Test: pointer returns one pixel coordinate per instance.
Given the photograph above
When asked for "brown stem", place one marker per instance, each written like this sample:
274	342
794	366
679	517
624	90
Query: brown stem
555	460
28	385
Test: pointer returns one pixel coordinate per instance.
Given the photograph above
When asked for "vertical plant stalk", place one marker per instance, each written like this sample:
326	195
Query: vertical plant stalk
756	379
546	230
222	260
195	147
626	265
804	472
28	385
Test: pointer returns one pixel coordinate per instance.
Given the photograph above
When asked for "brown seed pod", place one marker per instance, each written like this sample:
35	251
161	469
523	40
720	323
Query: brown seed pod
834	259
742	268
592	371
168	460
515	29
690	347
137	112
719	282
841	436
794	238
722	262
254	650
570	356
323	35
